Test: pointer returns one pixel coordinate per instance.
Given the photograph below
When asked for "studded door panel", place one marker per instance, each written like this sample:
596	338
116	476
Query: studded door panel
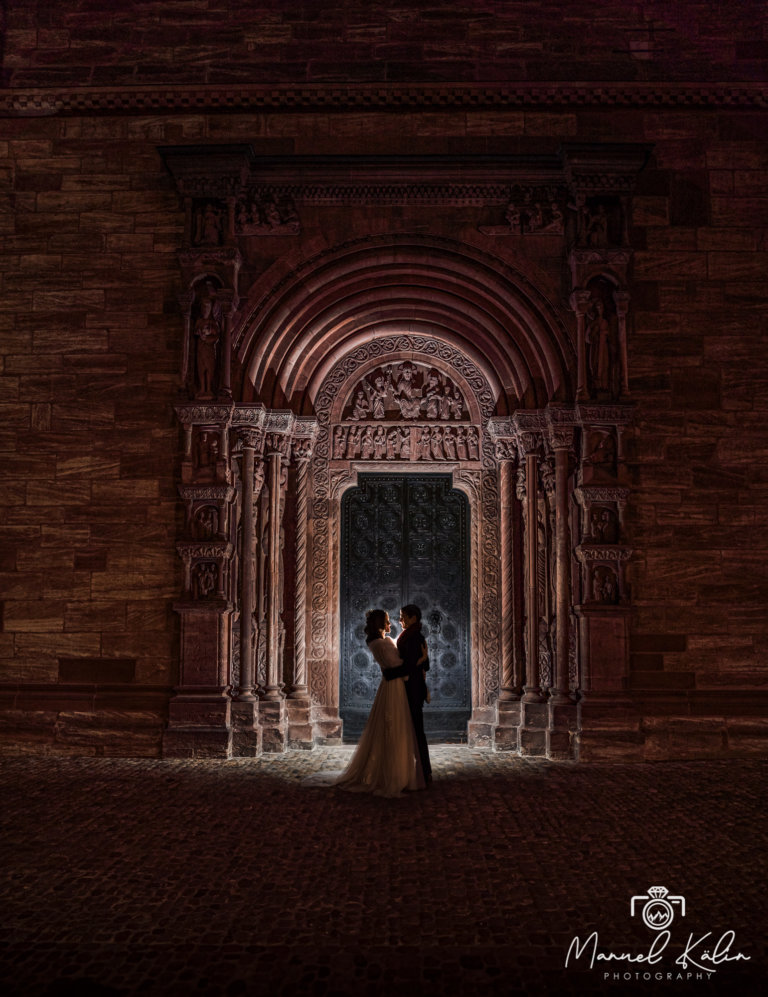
405	539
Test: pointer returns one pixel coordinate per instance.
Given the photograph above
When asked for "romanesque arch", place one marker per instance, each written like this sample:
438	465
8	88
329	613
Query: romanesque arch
401	352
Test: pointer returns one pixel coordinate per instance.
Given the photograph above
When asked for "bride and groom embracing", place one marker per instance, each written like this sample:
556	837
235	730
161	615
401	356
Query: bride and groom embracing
392	754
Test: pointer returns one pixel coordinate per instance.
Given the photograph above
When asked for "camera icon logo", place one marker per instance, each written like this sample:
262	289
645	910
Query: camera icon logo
659	907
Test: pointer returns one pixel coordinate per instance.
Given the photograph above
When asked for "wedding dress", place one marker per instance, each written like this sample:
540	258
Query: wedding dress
386	760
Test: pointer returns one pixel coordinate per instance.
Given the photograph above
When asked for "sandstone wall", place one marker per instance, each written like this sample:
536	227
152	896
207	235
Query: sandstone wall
91	333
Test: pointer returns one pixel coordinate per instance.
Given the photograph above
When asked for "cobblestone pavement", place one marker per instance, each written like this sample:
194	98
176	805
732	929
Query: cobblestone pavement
124	877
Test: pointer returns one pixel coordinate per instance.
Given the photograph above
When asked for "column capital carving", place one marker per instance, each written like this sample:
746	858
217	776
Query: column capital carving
249	415
580	300
622	299
305	430
560	427
195	414
251	438
277	444
503	434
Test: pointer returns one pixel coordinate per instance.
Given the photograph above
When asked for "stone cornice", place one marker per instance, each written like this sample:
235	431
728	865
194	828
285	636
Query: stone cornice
151	99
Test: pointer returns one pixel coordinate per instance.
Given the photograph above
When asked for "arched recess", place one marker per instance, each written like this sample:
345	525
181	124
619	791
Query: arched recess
336	319
288	338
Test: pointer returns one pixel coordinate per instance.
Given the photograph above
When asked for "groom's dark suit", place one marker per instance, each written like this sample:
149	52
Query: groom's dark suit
409	644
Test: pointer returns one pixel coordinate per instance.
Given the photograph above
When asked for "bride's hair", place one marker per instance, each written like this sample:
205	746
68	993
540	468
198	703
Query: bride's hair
375	622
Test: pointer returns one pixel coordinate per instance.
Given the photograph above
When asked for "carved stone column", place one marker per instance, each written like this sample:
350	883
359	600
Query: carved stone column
272	712
533	714
609	718
563	716
300	732
622	308
506	733
199	723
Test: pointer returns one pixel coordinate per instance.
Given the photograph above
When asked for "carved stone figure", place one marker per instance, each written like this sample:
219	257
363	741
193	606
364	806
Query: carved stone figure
380	443
367	443
339	442
405	444
205	579
603	449
206	522
556	224
207	332
436	443
423	445
208	227
597	227
407	395
362	408
512	216
473	443
461	443
393	444
207	449
449	445
598	338
535	218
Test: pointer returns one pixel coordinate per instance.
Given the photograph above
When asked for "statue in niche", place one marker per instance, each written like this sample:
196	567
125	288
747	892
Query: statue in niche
603	449
605	587
596	227
206	522
601	347
603	525
207	450
207	333
208	225
205	579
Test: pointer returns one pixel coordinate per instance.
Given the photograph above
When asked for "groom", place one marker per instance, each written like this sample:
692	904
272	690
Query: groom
410	644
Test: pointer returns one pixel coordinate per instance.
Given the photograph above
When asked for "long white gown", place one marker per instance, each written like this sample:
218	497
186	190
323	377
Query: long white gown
386	760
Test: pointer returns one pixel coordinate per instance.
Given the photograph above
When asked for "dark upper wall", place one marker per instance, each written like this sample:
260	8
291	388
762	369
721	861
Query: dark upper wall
119	42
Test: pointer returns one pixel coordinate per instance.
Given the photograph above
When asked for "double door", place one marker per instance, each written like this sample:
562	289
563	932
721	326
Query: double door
405	539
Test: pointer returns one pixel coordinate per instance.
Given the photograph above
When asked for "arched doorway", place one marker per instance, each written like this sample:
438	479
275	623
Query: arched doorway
405	539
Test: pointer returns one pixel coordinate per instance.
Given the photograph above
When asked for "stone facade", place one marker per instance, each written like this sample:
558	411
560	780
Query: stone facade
215	226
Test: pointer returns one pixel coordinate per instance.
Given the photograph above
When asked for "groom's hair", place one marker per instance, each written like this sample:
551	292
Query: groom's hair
411	610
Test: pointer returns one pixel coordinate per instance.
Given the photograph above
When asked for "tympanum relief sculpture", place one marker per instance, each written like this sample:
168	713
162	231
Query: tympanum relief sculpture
406	412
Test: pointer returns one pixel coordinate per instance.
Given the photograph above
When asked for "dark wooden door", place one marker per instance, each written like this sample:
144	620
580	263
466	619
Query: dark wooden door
405	539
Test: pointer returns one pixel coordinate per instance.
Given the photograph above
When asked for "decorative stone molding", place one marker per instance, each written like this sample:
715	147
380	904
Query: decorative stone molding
183	99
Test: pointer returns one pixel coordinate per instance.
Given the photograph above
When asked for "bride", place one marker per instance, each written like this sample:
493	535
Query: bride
386	760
